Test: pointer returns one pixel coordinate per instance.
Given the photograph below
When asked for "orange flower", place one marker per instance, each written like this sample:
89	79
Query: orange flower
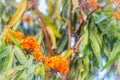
57	63
94	4
38	55
79	20
116	15
18	35
27	18
29	44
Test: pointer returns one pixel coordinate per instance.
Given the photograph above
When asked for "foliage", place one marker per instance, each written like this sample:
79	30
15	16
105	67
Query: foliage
69	43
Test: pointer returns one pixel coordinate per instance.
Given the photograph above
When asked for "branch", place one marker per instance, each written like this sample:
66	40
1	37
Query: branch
76	48
43	26
69	25
89	14
79	40
65	76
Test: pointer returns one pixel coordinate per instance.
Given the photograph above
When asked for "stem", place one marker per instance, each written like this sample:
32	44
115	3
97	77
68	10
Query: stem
69	25
76	49
65	76
43	26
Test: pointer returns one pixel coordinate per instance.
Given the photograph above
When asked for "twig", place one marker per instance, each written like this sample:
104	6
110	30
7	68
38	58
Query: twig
76	49
79	40
79	28
43	26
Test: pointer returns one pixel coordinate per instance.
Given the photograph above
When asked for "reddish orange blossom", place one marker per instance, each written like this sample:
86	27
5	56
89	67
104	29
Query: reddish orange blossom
57	63
29	44
38	55
94	4
18	35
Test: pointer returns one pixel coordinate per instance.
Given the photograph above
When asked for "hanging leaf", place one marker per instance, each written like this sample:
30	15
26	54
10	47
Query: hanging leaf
5	51
84	42
40	70
96	48
101	18
20	10
20	55
114	55
8	61
50	7
68	54
52	37
51	25
30	73
62	43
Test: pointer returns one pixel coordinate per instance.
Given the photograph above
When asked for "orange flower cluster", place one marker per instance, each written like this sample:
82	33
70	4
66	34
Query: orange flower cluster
29	43
18	35
38	55
57	63
116	15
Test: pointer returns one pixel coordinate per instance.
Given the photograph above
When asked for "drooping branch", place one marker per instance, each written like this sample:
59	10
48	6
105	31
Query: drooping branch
44	29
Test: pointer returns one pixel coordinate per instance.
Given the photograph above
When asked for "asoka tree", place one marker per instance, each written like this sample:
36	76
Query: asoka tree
74	40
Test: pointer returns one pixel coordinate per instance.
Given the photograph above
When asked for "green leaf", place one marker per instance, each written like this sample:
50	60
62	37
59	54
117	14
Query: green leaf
101	18
68	54
39	37
5	51
29	62
108	12
62	43
84	42
30	73
65	9
51	25
42	71
20	55
18	75
96	47
114	55
52	37
19	12
8	61
50	7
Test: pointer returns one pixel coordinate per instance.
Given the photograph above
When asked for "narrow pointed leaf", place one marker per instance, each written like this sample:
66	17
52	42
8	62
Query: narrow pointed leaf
20	55
52	36
5	51
114	55
18	14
